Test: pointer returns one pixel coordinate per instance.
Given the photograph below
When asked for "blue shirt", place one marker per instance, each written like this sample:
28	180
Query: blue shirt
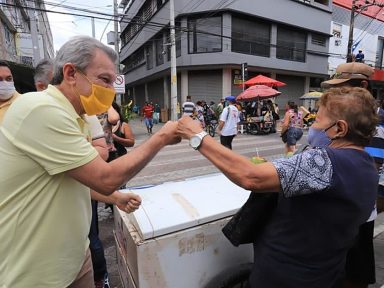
326	195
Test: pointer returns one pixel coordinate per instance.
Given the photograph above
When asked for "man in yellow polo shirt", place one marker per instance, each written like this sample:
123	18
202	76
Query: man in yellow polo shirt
44	196
7	88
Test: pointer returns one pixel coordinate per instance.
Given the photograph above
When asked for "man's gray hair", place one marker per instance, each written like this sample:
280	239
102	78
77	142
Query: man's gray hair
42	71
80	51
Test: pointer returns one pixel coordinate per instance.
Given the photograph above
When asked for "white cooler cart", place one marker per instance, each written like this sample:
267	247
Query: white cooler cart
174	240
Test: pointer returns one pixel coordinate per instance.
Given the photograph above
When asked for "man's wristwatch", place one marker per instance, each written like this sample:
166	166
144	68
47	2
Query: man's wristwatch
196	139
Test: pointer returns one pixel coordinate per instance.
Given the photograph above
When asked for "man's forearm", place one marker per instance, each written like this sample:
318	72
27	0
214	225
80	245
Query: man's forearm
106	178
129	165
110	199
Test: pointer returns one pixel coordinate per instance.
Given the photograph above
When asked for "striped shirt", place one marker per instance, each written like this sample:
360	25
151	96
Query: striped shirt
188	108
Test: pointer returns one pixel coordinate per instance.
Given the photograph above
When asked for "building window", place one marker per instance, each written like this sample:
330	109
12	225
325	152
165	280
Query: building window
319	40
135	60
9	37
291	44
167	48
324	2
149	55
159	48
255	41
204	35
159	3
315	83
178	38
146	11
7	34
336	31
138	21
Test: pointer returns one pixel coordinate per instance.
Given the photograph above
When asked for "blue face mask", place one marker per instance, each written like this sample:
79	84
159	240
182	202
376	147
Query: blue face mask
318	137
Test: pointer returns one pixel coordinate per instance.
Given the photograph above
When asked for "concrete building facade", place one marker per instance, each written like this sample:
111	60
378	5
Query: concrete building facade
25	38
284	39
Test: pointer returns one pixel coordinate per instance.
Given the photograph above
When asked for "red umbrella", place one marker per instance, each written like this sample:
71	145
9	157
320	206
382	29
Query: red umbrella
263	80
257	91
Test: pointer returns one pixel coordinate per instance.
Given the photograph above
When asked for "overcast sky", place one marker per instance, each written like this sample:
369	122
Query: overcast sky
65	26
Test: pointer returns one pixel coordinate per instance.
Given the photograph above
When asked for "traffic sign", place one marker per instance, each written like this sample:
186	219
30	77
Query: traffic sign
119	84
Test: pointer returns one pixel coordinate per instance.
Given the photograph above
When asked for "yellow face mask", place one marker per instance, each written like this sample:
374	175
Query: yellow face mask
99	100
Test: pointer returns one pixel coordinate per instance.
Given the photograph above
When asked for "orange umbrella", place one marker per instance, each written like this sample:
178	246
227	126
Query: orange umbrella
263	80
257	91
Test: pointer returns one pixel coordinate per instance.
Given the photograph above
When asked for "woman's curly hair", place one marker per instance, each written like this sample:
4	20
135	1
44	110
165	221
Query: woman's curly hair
357	107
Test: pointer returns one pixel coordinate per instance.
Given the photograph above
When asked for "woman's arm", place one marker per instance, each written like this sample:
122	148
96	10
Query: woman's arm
240	170
285	124
113	116
129	138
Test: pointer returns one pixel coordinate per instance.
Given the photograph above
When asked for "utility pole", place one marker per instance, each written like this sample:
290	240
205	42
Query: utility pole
350	37
356	9
173	62
116	25
93	27
34	36
119	96
244	73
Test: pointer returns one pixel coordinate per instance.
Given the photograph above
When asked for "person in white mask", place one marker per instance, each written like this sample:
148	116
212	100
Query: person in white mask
7	88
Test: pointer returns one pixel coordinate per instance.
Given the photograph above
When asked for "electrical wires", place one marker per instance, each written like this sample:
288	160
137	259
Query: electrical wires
152	25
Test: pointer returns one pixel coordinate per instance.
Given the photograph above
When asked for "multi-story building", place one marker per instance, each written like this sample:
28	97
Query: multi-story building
25	38
368	36
285	39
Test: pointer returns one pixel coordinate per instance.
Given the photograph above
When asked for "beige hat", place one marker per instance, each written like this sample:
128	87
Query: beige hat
348	71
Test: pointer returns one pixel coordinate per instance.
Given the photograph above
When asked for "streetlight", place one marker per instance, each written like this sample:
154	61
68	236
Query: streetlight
356	9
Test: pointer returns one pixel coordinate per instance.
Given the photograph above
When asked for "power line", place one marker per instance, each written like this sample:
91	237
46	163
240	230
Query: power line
367	26
140	22
151	24
131	20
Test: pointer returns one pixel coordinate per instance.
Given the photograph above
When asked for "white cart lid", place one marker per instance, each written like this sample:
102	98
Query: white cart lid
175	206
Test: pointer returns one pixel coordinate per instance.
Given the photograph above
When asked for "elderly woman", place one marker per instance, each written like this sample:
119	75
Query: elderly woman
325	193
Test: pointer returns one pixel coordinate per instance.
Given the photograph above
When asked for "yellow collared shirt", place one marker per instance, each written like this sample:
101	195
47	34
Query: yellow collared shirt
45	215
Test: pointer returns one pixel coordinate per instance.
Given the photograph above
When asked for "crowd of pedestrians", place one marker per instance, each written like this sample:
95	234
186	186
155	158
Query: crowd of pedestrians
65	149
